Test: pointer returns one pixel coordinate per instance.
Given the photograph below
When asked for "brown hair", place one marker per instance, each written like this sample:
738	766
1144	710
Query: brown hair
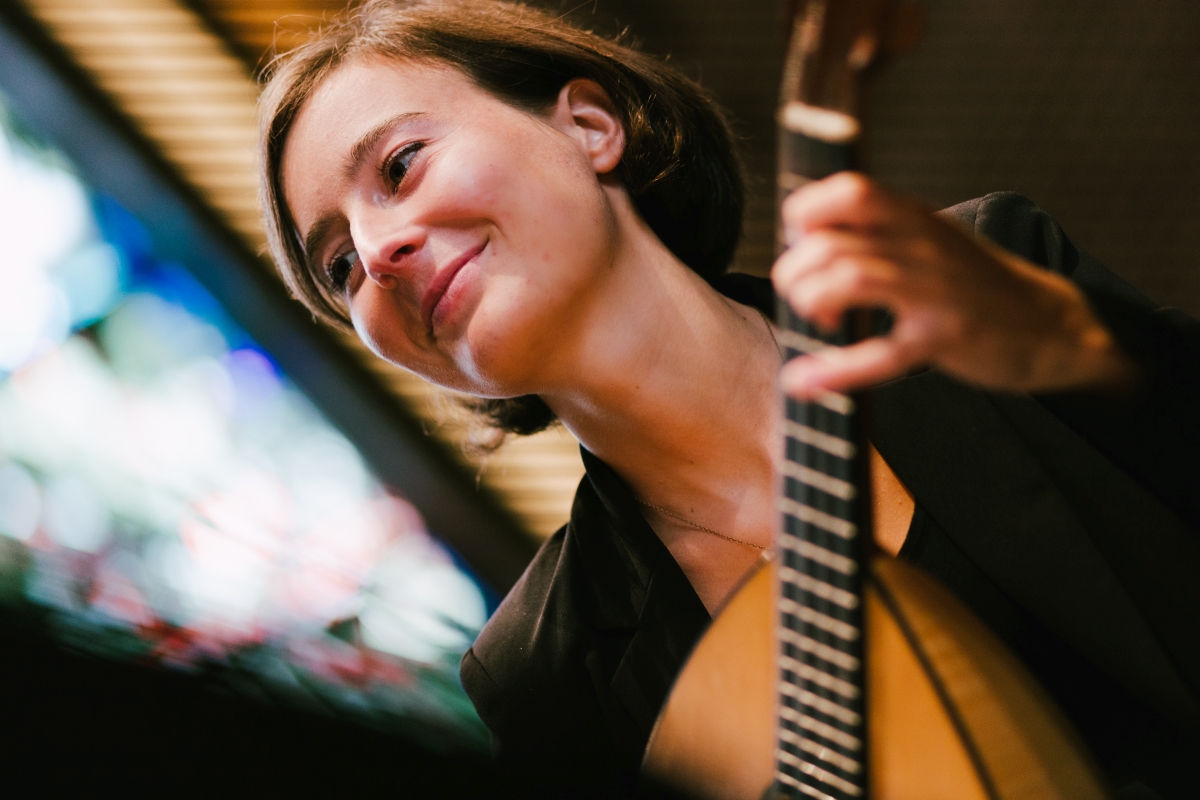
679	165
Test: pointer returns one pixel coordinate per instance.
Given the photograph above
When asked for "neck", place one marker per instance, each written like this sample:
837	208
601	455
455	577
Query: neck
674	386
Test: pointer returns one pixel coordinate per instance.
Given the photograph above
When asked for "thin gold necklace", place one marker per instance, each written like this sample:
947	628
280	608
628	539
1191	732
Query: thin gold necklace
770	331
697	525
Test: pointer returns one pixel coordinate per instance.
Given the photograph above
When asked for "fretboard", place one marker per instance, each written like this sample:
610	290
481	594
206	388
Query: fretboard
821	748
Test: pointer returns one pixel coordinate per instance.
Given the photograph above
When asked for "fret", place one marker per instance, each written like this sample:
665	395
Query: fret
829	756
820	519
823	679
835	401
821	589
815	695
813	771
840	629
821	651
822	729
843	490
821	555
799	342
827	707
815	438
803	787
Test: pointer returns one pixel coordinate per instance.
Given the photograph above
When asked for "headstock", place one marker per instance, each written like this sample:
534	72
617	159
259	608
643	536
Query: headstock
833	45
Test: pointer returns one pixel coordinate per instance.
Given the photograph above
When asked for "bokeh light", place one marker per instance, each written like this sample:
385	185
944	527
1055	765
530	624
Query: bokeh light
166	494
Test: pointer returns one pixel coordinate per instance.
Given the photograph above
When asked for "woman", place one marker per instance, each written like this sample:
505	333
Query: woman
539	217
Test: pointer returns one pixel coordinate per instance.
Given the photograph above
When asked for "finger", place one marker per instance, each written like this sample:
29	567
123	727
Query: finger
850	282
817	251
845	200
848	369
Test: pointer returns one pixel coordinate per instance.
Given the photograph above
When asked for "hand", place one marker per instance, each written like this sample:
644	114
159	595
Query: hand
969	308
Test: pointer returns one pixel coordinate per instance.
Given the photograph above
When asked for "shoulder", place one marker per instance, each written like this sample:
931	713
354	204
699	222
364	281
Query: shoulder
526	672
503	661
1019	225
531	675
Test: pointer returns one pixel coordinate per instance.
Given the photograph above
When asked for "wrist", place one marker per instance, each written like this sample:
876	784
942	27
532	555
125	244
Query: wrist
1086	355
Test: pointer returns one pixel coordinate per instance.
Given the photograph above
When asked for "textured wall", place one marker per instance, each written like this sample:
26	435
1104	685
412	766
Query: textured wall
1090	108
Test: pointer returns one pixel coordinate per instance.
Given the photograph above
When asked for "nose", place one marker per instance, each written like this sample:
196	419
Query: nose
387	247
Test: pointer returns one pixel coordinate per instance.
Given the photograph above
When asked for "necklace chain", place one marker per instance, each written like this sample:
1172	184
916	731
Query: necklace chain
770	331
697	525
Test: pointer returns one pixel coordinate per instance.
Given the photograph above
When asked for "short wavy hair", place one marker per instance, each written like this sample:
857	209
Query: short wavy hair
680	166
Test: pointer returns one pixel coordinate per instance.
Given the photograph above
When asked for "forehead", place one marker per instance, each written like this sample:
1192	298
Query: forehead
356	98
375	86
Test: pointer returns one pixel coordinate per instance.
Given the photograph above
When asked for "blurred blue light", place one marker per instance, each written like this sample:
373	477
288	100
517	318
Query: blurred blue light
166	493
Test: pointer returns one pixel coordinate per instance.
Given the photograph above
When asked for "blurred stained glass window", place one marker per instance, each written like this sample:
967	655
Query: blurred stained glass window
167	496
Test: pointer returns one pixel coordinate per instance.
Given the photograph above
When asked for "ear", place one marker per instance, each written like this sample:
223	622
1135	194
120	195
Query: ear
585	113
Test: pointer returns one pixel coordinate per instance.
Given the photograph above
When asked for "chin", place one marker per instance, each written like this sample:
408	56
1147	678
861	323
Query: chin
503	352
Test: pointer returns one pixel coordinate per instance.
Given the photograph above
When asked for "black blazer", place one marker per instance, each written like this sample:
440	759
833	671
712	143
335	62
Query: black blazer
1068	523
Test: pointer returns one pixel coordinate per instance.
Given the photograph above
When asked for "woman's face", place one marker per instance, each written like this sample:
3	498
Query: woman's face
465	233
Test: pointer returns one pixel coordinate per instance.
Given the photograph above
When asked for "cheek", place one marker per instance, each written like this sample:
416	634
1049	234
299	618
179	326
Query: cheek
522	328
381	327
534	185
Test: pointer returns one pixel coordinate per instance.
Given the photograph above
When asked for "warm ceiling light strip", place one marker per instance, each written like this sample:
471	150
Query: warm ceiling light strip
260	25
164	68
192	97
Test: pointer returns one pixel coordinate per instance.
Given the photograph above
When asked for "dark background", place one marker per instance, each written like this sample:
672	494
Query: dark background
1091	108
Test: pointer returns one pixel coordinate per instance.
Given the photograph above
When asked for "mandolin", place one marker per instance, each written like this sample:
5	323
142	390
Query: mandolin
836	672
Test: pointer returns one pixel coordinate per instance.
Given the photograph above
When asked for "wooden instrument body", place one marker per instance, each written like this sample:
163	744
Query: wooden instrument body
953	714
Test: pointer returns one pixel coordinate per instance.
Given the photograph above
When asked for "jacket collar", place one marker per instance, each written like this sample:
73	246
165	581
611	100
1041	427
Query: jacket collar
636	590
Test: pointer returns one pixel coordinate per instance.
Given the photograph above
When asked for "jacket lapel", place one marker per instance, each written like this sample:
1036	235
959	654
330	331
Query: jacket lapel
655	607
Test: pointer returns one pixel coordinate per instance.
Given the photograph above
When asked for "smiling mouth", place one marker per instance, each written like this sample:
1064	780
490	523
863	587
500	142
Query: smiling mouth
441	284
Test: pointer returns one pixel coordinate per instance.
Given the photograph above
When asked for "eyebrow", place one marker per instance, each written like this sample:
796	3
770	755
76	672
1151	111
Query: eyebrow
359	152
363	148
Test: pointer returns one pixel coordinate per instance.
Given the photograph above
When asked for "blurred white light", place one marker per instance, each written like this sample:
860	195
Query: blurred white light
226	578
90	277
167	560
180	430
75	517
33	316
20	502
44	215
420	610
115	588
326	473
148	335
57	413
44	211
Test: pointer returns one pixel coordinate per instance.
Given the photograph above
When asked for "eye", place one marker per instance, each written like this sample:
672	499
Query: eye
395	167
339	269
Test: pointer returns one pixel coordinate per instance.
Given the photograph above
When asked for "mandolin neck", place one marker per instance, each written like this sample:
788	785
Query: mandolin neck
825	531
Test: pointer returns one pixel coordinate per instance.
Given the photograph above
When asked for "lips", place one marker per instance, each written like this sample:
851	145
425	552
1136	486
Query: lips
441	283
